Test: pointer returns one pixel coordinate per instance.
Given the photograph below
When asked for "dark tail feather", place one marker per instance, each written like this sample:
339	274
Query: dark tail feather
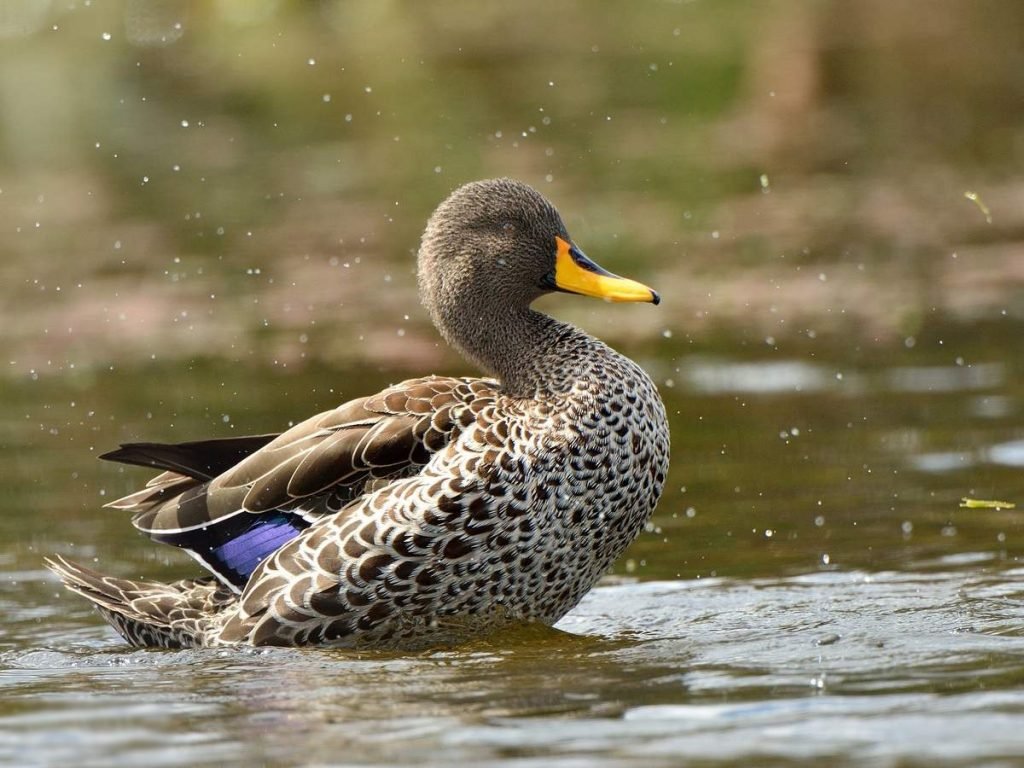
200	459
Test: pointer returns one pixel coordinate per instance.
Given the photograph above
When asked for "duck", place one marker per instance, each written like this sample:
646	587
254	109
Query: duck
438	509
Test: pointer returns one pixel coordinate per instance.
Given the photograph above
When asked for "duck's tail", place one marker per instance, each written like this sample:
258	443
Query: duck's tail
146	613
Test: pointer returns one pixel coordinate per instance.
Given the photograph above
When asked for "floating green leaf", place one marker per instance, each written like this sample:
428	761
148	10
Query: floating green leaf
983	504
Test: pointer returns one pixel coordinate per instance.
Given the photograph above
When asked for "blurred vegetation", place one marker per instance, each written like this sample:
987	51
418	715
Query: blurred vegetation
209	210
247	180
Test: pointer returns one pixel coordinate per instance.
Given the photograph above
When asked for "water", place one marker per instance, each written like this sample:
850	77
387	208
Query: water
207	221
866	666
877	622
879	668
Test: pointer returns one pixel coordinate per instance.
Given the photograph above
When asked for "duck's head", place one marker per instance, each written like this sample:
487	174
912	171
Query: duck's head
491	249
501	240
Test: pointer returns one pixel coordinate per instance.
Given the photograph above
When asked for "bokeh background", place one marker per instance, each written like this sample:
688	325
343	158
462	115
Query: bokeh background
222	180
209	214
208	206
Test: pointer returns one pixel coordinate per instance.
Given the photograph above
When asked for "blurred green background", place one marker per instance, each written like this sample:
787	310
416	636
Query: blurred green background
209	212
186	178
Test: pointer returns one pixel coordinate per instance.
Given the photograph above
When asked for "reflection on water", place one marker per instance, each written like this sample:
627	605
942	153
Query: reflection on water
928	379
1009	454
941	461
789	376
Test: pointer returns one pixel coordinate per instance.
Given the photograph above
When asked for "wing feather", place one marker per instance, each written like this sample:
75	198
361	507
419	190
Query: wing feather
338	453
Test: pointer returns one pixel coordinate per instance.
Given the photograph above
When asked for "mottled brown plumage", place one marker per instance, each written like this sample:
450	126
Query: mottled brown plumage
437	507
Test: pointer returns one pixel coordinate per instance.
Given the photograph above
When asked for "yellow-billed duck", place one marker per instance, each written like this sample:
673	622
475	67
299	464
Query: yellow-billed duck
437	508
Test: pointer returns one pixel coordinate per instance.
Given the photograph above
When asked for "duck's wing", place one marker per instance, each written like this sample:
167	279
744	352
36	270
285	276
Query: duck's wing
199	460
232	514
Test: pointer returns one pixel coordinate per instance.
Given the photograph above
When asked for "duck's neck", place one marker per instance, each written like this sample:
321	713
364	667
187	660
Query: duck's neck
527	351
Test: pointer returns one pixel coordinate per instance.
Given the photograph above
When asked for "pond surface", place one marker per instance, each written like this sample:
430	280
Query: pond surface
813	592
208	215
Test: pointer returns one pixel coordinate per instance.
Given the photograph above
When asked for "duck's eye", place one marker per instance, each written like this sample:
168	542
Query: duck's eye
508	227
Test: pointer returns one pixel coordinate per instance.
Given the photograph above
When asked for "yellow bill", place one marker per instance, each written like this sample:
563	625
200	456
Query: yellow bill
575	273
